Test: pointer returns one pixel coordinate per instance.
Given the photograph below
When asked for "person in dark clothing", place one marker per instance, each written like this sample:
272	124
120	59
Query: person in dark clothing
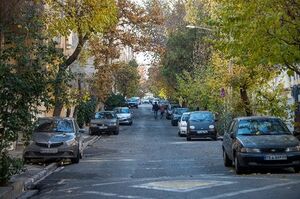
155	109
162	111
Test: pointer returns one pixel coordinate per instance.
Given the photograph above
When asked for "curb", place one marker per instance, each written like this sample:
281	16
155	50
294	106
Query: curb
31	182
23	189
91	141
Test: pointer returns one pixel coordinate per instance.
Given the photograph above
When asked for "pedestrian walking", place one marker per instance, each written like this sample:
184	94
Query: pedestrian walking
162	111
155	109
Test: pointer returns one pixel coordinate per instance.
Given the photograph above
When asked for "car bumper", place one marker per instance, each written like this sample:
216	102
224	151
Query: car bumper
99	129
182	130
125	121
132	105
198	134
33	152
258	160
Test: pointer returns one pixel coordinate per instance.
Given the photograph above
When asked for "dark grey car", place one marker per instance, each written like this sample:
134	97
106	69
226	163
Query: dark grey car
176	115
201	124
55	138
104	121
256	142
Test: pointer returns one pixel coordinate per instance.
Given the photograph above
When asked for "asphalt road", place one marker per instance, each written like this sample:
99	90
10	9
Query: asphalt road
148	160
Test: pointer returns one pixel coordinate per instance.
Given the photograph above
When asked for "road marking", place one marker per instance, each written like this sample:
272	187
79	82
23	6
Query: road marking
182	185
114	195
61	181
223	195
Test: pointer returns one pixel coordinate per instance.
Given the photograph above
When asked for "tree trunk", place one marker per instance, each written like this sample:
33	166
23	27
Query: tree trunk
80	94
245	100
62	68
58	93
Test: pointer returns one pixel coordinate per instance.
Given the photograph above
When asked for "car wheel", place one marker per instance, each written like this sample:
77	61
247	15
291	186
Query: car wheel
227	161
27	160
238	169
116	132
179	134
214	138
297	169
77	158
188	138
173	124
130	123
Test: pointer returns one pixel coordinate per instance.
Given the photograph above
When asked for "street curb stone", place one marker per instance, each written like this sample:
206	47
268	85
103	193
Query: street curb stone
30	183
21	189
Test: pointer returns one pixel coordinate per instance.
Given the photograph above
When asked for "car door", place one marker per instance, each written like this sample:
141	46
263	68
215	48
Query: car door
227	139
79	136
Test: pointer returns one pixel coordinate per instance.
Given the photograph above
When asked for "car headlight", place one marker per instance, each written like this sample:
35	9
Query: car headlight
70	142
113	123
293	149
192	127
93	125
211	126
250	150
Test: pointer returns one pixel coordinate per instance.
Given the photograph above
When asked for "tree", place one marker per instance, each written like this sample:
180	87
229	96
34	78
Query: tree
132	30
127	79
85	18
263	32
26	73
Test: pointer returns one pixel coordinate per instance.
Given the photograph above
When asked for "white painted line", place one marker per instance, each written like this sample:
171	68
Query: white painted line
183	185
223	195
61	181
113	195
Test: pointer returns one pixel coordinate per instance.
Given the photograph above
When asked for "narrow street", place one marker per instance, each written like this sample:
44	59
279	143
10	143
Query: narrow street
148	160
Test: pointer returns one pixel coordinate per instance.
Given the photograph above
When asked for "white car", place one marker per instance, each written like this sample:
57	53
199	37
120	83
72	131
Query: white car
182	124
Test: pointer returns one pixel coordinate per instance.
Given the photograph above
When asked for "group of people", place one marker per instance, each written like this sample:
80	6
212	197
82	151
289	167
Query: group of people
156	108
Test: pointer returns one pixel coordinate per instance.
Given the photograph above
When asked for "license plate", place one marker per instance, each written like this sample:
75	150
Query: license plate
102	127
201	132
276	157
49	150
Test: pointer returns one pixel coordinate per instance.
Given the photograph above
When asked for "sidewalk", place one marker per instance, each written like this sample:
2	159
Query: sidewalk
33	173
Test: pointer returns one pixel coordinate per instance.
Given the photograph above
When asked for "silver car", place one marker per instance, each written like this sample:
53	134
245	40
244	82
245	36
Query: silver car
55	138
124	115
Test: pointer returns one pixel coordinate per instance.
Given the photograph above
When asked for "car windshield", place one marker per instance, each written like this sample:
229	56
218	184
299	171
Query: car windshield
185	117
123	111
266	126
60	126
205	116
180	111
104	115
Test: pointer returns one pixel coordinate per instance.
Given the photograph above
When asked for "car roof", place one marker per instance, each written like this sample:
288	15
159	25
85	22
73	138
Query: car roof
256	117
124	107
201	112
105	112
56	118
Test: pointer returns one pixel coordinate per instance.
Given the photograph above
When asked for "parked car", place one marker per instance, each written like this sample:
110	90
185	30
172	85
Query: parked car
170	109
55	138
104	121
133	103
256	142
201	124
177	115
124	115
182	124
145	101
